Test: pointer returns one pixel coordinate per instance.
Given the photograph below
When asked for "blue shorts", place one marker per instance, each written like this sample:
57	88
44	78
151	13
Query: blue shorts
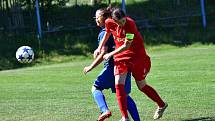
106	80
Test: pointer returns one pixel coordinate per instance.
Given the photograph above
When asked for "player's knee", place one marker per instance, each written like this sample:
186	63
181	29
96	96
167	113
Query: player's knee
93	89
141	84
140	87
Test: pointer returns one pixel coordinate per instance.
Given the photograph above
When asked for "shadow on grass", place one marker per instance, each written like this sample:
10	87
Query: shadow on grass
201	119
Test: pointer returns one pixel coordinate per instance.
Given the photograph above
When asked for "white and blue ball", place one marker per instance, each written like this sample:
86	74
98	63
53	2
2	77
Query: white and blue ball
25	54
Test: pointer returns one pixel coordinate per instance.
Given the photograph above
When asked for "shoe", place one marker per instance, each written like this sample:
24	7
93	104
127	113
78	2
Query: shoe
123	119
159	112
104	115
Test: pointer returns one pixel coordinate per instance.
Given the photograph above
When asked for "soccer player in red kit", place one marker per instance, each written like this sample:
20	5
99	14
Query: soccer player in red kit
129	55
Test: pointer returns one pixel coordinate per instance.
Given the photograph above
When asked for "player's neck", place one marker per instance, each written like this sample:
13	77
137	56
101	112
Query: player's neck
122	22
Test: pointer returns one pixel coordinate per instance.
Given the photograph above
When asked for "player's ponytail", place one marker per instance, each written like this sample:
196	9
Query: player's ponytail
107	12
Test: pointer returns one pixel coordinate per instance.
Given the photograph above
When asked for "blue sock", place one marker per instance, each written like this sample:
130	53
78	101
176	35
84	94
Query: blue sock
132	109
100	100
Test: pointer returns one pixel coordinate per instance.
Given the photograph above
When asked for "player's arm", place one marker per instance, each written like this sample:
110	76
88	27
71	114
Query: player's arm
108	26
96	62
128	40
101	44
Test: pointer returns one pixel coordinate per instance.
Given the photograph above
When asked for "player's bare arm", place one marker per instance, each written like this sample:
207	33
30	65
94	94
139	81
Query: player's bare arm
124	47
96	62
102	43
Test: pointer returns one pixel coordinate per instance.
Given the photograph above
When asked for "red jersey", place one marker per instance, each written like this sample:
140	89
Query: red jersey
137	49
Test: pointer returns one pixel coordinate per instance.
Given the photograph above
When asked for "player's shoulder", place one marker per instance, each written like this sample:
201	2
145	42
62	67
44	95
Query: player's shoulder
129	19
109	20
101	34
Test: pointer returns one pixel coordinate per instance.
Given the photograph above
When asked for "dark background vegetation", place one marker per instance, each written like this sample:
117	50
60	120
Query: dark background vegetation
71	31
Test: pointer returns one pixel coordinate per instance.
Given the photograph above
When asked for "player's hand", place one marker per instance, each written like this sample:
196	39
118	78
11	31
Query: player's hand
107	56
96	53
87	69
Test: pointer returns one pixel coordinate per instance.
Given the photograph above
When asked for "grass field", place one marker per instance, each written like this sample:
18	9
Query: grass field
184	77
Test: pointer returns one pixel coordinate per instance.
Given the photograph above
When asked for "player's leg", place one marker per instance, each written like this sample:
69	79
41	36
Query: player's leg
132	109
101	103
153	95
103	82
121	94
120	72
150	92
139	72
99	99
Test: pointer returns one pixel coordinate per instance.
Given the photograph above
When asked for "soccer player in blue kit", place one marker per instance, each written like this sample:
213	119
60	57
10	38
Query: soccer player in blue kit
106	79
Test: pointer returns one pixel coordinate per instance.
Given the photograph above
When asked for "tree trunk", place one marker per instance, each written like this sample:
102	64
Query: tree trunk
1	5
8	15
109	2
49	4
7	5
93	2
28	4
76	2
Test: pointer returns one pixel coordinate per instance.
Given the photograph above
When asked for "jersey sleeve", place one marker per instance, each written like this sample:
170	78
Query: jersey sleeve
110	25
132	29
107	25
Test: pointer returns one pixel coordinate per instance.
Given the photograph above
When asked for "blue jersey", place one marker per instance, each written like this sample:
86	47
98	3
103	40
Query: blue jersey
110	45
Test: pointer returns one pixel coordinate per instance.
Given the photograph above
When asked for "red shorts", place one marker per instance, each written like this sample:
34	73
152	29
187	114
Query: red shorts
139	67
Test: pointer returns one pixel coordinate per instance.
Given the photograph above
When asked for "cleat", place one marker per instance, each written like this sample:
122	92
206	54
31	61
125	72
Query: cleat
104	116
159	112
124	119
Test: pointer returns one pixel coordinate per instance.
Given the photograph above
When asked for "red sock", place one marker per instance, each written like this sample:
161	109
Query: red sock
151	93
122	99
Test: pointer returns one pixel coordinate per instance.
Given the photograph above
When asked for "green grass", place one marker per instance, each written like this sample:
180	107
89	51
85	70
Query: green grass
183	76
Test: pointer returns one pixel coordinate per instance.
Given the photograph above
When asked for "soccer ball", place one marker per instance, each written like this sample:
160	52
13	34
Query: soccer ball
25	54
